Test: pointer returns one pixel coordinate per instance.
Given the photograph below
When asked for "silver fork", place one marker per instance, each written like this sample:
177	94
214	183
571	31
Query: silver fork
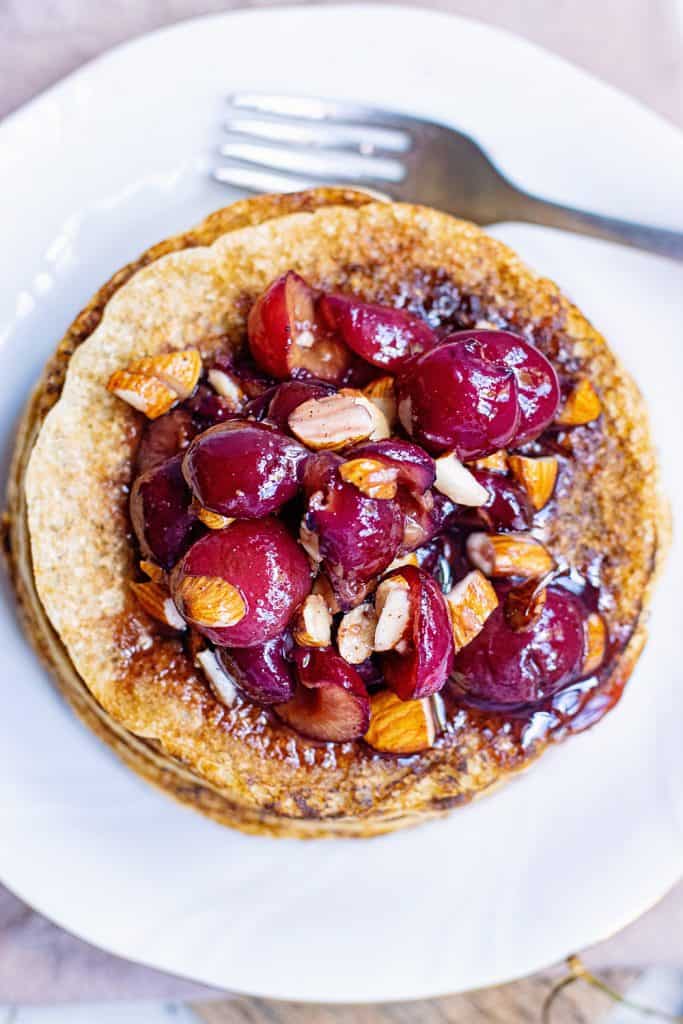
285	143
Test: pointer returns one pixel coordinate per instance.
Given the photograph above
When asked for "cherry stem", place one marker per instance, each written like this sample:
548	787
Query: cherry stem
579	972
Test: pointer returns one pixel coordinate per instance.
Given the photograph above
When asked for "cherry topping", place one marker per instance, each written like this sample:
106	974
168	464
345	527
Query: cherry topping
383	336
331	704
425	666
504	665
284	336
266	566
160	512
416	469
243	469
456	397
164	437
263	672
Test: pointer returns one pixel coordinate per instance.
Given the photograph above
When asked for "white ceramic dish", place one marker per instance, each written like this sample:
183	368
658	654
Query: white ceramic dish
115	158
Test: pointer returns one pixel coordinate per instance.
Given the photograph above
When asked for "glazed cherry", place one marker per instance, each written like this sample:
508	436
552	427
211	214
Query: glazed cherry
426	664
331	703
382	336
263	563
207	408
263	672
164	437
285	338
160	512
416	470
502	666
455	398
507	508
424	516
243	469
538	387
289	395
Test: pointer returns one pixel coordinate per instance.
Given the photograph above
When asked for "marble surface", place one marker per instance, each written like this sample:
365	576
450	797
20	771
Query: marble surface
635	44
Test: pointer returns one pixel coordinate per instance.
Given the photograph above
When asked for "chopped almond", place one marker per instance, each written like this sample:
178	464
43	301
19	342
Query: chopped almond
157	602
313	623
408	559
392	605
537	476
153	571
356	634
509	554
310	542
457	483
179	370
596	643
496	462
228	387
211	601
323	587
380	428
333	422
382	393
470	603
146	394
222	684
582	405
372	477
400	726
213	520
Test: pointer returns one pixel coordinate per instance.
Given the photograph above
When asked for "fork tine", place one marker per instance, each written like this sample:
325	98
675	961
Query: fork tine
321	165
316	109
252	178
343	138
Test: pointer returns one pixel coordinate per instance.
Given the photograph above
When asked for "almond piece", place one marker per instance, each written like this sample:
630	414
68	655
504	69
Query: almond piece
382	393
146	394
582	405
211	601
596	643
537	476
380	430
409	559
332	422
228	387
178	370
153	571
392	606
356	634
371	477
220	681
496	462
213	520
157	602
457	483
509	554
313	625
470	603
310	542
400	726
323	587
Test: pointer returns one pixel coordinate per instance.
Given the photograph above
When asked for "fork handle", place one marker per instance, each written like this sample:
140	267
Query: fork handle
640	236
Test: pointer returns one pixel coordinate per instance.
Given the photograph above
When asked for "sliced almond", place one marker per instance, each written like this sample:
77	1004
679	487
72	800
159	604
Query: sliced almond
313	625
392	606
537	476
157	602
333	422
213	520
400	726
211	601
228	387
153	571
582	405
146	394
356	634
310	542
470	603
382	393
596	643
409	559
323	587
509	554
524	605
457	483
371	477
178	370
380	429
496	462
220	681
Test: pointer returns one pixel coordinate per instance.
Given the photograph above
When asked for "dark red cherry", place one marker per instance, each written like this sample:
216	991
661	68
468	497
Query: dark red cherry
504	666
331	703
208	408
160	512
263	563
507	508
426	664
289	395
164	437
381	335
243	469
424	516
455	398
416	469
285	337
538	387
263	673
320	471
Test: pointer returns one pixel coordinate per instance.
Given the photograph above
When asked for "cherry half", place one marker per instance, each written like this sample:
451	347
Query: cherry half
383	336
415	468
331	703
262	672
160	512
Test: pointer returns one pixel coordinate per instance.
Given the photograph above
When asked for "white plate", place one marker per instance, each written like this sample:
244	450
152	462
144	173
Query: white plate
114	159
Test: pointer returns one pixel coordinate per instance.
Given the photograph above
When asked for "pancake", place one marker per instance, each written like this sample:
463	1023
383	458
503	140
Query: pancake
69	539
